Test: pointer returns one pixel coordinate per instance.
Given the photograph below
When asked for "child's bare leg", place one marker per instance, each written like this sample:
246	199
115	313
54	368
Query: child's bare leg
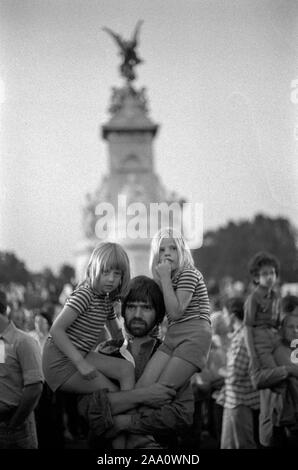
153	369
114	368
78	384
177	372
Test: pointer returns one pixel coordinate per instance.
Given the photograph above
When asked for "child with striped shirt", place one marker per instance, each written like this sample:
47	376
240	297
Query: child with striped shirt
187	341
69	360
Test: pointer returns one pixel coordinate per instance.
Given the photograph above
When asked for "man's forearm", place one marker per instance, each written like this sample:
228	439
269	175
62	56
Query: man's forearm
156	396
123	401
29	400
175	416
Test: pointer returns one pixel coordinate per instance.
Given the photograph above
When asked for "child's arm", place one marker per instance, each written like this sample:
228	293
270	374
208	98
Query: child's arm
62	341
249	317
114	326
175	303
113	322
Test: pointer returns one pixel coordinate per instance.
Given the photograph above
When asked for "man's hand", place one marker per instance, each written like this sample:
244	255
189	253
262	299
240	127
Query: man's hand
87	370
157	395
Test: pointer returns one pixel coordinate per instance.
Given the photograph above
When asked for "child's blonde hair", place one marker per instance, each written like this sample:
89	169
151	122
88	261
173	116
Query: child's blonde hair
184	255
108	256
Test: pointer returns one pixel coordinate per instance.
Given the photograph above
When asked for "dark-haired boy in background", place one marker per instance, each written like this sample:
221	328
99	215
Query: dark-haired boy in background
262	320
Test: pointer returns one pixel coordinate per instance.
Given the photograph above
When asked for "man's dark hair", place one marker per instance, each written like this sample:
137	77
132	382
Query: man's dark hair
47	316
263	259
3	302
235	305
289	303
144	289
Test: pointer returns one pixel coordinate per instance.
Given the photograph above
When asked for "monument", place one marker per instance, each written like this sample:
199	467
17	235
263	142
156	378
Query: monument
131	179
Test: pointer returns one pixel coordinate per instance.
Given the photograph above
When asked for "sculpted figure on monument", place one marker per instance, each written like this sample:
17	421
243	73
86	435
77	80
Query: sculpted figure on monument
127	51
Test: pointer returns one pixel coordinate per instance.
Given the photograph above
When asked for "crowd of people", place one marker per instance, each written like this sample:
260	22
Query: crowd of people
151	363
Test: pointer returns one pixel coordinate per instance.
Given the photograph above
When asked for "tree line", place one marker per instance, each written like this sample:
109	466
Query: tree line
227	250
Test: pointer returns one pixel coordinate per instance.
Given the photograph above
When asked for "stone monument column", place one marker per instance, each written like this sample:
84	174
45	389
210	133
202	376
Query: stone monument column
129	135
131	184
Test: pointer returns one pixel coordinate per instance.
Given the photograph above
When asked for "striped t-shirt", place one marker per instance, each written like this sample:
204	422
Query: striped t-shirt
191	280
238	389
93	311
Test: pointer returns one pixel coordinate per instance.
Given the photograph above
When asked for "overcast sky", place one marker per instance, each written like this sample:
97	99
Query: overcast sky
218	76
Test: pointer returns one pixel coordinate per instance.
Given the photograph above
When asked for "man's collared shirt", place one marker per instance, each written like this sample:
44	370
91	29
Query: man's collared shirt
21	367
147	349
238	389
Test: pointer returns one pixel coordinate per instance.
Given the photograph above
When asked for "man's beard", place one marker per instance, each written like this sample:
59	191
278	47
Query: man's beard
138	327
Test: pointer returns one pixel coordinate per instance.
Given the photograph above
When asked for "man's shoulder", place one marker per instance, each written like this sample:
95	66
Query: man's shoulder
25	339
16	334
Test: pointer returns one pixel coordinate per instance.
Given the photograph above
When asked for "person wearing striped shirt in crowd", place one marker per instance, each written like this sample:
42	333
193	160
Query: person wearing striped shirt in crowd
187	340
70	363
240	399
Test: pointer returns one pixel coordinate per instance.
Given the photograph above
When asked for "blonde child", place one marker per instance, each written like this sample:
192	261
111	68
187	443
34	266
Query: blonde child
69	361
187	341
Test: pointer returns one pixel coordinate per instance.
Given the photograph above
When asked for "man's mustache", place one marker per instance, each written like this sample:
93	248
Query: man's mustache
137	321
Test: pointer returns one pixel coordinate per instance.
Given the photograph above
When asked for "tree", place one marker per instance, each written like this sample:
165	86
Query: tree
12	269
66	274
227	251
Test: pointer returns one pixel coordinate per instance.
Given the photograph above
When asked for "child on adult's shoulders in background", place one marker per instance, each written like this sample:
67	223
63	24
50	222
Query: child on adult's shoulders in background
279	418
262	319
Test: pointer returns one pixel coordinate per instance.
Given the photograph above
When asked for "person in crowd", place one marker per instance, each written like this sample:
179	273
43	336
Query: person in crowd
186	345
262	320
17	315
240	400
49	411
161	423
42	323
208	383
279	414
21	381
69	361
